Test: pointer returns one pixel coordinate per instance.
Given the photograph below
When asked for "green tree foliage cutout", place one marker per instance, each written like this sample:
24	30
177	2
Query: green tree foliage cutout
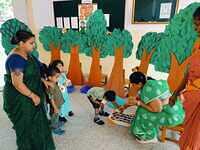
121	45
149	42
120	39
96	34
8	30
95	37
73	42
50	37
71	39
179	38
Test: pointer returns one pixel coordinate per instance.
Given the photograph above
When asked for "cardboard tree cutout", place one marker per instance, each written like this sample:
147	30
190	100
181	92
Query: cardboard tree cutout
177	45
73	43
147	49
147	53
8	30
96	37
121	45
50	37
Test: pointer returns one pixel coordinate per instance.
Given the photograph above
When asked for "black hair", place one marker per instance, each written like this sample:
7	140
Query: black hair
52	71
43	70
196	14
137	77
55	63
21	35
110	95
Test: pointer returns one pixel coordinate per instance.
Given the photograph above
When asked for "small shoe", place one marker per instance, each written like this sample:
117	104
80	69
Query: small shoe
59	124
154	140
104	114
58	131
71	114
98	121
62	119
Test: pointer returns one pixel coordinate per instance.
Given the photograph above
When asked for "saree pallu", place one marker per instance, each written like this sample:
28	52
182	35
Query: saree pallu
190	139
29	122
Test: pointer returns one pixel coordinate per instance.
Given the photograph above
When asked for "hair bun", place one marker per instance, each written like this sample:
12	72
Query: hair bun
14	40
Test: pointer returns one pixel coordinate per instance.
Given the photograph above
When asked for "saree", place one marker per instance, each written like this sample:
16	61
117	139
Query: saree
190	138
29	122
146	124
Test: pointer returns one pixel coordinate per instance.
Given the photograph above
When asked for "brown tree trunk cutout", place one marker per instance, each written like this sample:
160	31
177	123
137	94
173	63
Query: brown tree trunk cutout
55	52
176	73
116	80
145	60
74	71
144	64
95	71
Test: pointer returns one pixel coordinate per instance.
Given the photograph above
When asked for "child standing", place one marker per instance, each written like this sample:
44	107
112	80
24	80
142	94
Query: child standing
56	100
98	97
66	108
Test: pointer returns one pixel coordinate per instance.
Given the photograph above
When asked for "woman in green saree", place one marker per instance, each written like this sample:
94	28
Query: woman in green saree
23	96
153	109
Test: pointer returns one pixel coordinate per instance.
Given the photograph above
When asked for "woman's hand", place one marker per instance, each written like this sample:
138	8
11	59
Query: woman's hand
182	98
35	99
172	99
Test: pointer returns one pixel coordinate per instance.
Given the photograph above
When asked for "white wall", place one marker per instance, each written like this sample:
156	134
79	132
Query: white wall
19	9
43	15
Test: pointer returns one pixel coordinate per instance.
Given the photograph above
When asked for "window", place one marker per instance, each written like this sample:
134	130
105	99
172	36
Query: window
6	12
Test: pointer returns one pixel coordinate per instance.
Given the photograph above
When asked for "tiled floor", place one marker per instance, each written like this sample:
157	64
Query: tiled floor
82	133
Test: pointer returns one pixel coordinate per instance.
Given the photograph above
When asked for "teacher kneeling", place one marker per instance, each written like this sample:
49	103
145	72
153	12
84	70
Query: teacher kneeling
23	96
153	109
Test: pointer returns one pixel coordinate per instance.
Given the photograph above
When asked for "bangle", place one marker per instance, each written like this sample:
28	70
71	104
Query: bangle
30	94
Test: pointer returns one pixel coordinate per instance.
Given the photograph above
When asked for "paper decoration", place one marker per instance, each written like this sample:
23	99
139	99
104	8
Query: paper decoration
107	16
59	22
74	22
84	11
165	10
86	1
67	22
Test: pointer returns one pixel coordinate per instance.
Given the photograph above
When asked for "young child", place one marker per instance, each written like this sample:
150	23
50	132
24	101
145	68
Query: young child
56	100
66	108
98	97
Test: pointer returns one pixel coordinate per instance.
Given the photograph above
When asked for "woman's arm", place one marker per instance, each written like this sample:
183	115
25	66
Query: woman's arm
176	93
155	106
17	81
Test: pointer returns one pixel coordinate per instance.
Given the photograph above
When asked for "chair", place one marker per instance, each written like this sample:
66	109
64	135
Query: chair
164	137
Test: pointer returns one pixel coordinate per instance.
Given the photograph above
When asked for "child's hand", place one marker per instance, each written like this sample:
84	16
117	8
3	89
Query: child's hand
56	111
121	109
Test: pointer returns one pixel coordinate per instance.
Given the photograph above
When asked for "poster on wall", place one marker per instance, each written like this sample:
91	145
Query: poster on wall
107	16
165	10
59	22
84	11
74	22
86	1
66	22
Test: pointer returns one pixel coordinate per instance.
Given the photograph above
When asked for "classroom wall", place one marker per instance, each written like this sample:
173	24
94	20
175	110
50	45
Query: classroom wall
43	15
